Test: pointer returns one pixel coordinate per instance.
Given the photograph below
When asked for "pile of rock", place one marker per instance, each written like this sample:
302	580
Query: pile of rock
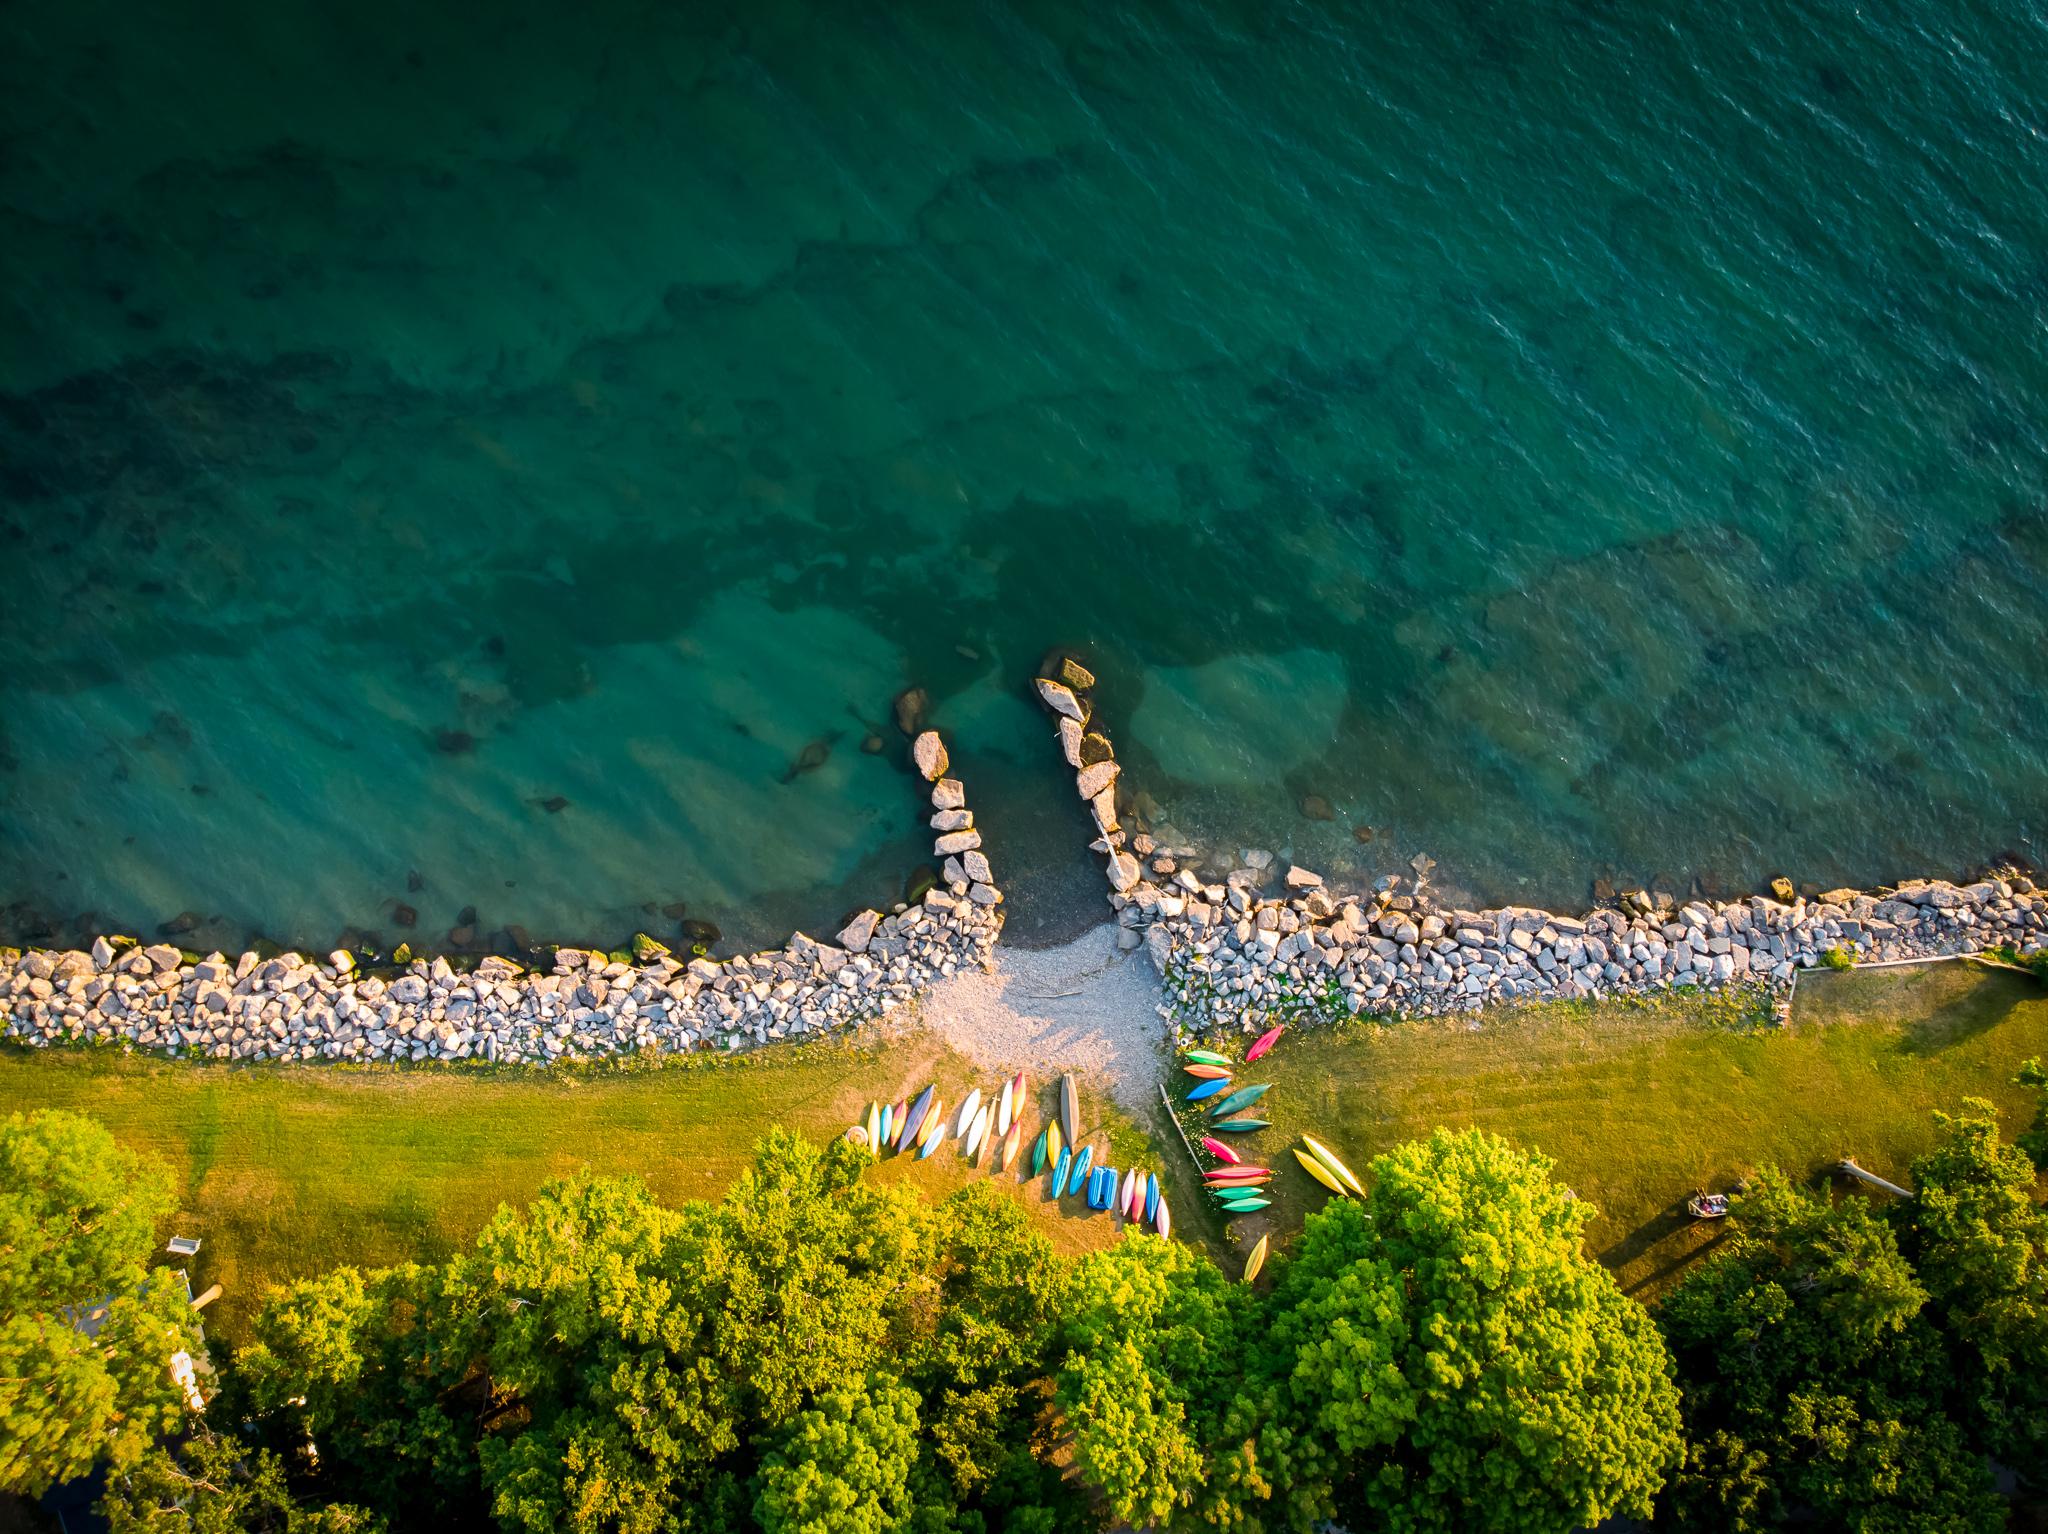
294	1008
1248	940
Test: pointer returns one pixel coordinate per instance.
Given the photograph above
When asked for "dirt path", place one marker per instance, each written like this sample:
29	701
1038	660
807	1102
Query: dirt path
1083	1006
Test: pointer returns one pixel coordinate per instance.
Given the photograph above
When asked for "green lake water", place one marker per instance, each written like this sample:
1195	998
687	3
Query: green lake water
463	456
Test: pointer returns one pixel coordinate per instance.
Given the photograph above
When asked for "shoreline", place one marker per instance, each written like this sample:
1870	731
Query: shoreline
1237	941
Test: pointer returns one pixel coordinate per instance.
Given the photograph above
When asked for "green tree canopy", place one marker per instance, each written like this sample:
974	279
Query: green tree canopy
78	1217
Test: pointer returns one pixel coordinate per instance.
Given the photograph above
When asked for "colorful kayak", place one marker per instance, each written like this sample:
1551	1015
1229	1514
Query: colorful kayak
1127	1204
1245	1205
1063	1165
1319	1172
1070	1108
1240	1100
1081	1164
1038	1153
1328	1157
1152	1197
1235	1173
1219	1150
888	1127
1257	1260
914	1121
1206	1072
977	1134
1209	1089
1012	1142
968	1109
930	1143
1017	1098
1205	1057
1240	1126
1162	1220
1055	1142
934	1125
1003	1111
1264	1042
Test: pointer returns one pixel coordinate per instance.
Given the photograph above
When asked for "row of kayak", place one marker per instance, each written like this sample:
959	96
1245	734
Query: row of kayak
995	1126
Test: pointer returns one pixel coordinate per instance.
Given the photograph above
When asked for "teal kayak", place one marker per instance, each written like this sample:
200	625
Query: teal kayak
1079	1178
1151	1196
1208	1089
1245	1205
1243	1099
1238	1126
1059	1171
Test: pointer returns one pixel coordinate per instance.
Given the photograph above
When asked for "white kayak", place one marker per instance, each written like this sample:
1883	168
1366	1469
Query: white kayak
1003	1112
966	1119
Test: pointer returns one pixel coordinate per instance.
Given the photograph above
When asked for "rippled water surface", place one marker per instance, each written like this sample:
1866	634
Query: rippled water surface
467	460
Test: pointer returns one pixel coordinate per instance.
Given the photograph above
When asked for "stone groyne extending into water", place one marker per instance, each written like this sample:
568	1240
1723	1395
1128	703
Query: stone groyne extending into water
1239	942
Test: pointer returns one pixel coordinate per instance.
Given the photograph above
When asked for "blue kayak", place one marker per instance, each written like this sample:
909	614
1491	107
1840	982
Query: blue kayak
1082	1162
1151	1196
1208	1089
1060	1169
1105	1187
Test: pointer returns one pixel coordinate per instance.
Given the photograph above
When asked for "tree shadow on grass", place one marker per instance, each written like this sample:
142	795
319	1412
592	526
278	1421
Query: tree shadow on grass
1977	1009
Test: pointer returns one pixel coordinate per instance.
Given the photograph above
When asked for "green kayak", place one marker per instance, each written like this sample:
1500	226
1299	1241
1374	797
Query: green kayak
1038	1154
1205	1057
1239	1126
1241	1099
1245	1205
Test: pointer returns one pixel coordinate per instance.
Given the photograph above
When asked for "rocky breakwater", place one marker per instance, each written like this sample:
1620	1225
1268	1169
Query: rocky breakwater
1241	939
288	1007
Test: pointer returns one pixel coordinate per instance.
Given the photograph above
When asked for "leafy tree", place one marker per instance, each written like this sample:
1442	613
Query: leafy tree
212	1484
1979	1244
78	1216
844	1466
1440	1356
1813	1379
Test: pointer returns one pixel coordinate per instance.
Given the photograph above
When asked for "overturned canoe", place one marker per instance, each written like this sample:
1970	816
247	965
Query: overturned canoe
1219	1150
1264	1042
1328	1157
1240	1126
1257	1260
1238	1101
1070	1108
1319	1172
914	1120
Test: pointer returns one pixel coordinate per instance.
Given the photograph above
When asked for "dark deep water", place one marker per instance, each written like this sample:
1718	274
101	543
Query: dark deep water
483	449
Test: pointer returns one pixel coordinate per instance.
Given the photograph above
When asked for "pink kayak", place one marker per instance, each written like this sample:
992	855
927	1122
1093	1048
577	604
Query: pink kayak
1219	1150
1264	1042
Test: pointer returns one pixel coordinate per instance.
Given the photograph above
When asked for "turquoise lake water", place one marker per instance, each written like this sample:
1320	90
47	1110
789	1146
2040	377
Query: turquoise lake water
463	457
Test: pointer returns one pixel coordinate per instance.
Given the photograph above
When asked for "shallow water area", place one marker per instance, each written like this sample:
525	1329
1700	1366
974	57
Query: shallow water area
508	471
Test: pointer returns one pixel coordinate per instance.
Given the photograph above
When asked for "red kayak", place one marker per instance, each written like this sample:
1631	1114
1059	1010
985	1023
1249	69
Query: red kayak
1219	1150
1264	1042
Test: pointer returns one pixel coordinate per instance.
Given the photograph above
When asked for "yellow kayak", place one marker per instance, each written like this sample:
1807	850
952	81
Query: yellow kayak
1328	1157
1320	1173
1257	1260
874	1127
930	1126
1053	1141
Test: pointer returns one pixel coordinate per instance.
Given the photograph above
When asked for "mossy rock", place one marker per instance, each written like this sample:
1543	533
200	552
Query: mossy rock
10	955
620	956
1095	748
646	948
121	942
402	954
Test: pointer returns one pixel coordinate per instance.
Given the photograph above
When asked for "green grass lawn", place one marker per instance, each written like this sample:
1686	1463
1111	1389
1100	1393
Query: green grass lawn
1639	1105
286	1172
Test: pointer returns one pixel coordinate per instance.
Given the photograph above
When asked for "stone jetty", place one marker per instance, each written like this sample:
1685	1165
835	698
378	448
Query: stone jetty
590	1005
1240	939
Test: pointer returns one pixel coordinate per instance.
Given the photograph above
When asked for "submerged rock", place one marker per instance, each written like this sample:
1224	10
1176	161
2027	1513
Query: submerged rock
1316	807
912	706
